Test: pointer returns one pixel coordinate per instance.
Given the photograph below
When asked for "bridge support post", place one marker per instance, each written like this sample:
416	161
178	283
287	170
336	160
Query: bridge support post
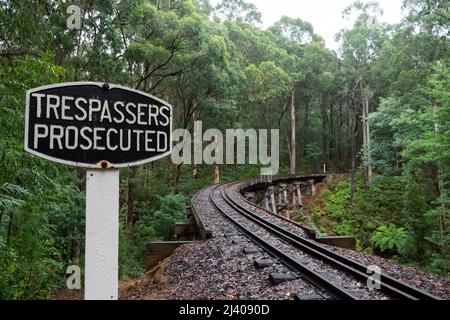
313	187
283	194
297	194
271	193
294	196
280	198
266	201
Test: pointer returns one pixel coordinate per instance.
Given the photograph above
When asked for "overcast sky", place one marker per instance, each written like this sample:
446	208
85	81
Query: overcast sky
324	15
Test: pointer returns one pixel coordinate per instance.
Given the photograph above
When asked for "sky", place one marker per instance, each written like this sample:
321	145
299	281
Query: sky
324	15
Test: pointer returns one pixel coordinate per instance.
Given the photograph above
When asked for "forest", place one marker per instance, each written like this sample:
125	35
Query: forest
378	109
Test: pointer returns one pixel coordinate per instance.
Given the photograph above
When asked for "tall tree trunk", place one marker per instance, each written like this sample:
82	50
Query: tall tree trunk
305	129
348	125
324	136
354	130
194	166
366	129
338	138
292	167
439	177
176	174
130	202
216	174
366	136
331	138
369	156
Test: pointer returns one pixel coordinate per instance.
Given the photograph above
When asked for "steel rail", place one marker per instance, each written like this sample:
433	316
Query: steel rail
388	284
313	277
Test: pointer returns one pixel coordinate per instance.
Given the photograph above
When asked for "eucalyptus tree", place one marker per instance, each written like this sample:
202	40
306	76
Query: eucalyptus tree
208	90
410	121
409	59
361	47
297	37
266	86
164	42
204	6
29	28
238	11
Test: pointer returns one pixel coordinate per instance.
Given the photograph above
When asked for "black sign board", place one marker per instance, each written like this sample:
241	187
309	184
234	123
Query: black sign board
95	125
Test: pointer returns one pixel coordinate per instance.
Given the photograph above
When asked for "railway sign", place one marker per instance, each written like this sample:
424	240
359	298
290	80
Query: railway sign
102	128
93	125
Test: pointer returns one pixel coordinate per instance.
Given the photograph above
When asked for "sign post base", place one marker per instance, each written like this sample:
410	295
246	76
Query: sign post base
102	235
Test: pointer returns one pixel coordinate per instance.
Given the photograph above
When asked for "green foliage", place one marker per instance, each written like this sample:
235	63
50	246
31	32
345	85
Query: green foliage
380	204
157	225
238	11
337	201
171	210
132	252
314	154
38	200
389	237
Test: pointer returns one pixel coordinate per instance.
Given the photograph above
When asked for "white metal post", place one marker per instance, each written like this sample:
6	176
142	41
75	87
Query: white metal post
102	235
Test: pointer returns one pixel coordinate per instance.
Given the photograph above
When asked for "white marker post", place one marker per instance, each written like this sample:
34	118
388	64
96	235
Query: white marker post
102	234
95	144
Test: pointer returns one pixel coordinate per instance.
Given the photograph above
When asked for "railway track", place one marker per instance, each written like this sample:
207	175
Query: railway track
331	273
